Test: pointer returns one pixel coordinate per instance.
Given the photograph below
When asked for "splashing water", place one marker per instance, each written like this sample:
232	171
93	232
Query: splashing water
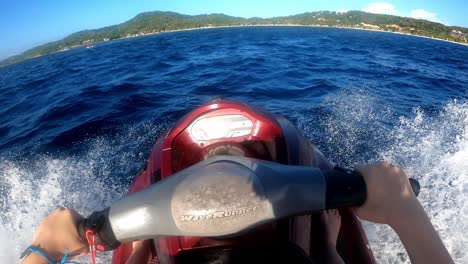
32	189
435	151
72	104
66	183
355	128
431	146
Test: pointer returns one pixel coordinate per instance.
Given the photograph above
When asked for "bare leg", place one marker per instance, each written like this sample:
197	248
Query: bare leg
141	252
331	220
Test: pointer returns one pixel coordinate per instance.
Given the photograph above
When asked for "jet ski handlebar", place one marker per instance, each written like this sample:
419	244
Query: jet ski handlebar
225	196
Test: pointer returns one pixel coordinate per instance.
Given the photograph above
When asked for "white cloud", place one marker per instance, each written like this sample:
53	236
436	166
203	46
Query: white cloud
389	9
381	8
423	14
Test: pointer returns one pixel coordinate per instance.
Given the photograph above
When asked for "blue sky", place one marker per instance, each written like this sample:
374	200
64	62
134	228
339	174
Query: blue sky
27	23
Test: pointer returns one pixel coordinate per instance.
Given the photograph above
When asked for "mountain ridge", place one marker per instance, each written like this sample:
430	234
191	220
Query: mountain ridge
161	21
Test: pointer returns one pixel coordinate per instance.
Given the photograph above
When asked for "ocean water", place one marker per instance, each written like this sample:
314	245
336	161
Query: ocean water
76	126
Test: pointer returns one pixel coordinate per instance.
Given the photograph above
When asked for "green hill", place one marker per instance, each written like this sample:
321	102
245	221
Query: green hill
154	22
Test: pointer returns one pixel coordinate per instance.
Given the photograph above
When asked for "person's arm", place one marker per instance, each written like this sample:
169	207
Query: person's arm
55	235
390	200
34	259
419	237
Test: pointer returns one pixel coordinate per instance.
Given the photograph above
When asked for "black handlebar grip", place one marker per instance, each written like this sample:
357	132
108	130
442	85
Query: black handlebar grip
344	188
415	186
98	222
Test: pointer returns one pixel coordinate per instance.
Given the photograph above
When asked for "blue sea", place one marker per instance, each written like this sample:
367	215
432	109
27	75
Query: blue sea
76	126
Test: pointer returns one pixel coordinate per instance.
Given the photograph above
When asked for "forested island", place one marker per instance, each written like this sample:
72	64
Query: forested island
158	21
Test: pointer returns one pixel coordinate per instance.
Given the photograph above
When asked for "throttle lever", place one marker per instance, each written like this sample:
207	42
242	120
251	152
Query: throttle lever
415	186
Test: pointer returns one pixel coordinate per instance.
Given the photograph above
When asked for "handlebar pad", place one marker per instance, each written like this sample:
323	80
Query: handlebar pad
220	196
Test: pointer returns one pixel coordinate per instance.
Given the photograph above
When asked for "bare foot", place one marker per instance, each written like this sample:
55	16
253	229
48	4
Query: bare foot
331	220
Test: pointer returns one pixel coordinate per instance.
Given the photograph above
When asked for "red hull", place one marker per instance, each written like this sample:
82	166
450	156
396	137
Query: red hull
176	148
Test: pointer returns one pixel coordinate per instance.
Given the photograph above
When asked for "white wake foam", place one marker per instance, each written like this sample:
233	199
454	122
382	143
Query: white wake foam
86	182
432	147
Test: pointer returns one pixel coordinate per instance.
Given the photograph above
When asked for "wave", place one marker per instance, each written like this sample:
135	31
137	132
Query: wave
76	116
431	146
433	149
88	180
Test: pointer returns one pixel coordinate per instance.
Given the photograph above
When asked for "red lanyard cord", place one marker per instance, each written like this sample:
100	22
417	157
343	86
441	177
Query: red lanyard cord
92	244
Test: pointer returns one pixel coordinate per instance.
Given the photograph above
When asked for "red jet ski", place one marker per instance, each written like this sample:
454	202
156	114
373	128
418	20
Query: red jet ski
234	184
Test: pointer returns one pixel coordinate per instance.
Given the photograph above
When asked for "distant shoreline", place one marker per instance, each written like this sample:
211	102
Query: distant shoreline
262	25
240	26
298	25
